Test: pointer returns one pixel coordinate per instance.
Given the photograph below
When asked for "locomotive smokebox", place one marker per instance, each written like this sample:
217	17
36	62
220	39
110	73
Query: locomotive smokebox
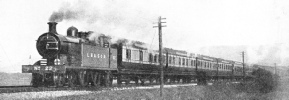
52	27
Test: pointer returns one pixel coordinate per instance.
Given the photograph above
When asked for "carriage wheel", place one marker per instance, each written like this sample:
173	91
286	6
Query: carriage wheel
142	81
185	80
173	79
127	82
158	80
82	78
151	80
119	82
136	80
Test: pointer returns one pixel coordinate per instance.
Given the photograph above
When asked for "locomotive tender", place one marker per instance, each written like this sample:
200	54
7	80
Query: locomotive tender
76	60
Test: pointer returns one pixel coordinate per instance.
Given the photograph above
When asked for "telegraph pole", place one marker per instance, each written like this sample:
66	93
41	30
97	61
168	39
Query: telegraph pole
160	54
217	78
243	54
275	68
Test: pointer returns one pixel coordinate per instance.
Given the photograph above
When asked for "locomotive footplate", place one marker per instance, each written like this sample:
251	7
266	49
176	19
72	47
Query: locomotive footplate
43	69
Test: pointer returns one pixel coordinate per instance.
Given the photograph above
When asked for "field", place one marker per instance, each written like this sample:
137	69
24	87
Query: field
218	91
14	79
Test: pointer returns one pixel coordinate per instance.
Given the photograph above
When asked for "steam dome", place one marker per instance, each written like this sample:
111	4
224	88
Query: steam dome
72	31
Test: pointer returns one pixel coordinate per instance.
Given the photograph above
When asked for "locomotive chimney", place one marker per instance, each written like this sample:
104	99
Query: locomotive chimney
52	27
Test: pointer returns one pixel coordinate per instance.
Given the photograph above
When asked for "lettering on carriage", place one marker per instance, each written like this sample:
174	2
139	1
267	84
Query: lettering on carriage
93	55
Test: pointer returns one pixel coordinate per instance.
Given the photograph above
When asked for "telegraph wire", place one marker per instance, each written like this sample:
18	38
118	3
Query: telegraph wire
6	54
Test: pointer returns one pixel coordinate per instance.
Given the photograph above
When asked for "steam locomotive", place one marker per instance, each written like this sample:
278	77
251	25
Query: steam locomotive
77	60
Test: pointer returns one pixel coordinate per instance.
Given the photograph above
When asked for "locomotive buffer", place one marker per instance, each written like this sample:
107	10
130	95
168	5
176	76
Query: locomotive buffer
160	53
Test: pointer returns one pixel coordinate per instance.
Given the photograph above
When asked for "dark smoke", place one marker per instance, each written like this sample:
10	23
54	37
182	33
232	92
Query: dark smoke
65	14
114	18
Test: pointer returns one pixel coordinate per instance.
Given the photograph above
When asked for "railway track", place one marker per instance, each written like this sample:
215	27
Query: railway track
15	89
27	88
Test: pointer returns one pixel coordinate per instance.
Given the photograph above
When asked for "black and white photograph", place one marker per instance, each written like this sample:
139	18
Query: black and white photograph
144	50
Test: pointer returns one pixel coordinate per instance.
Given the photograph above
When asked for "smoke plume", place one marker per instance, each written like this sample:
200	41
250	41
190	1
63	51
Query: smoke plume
67	12
119	19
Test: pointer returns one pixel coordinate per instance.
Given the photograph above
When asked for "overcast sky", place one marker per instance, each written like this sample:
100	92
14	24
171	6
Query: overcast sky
192	25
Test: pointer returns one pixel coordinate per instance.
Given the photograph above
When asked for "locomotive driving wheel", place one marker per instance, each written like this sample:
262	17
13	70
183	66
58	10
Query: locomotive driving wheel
96	79
108	78
71	78
59	80
82	78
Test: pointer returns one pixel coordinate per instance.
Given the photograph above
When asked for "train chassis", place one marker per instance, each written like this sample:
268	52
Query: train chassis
74	77
97	78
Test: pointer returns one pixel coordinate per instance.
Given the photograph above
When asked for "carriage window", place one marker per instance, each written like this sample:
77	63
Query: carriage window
150	57
183	61
205	64
202	64
187	62
141	55
210	65
128	54
194	63
170	59
164	59
180	60
174	60
156	58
